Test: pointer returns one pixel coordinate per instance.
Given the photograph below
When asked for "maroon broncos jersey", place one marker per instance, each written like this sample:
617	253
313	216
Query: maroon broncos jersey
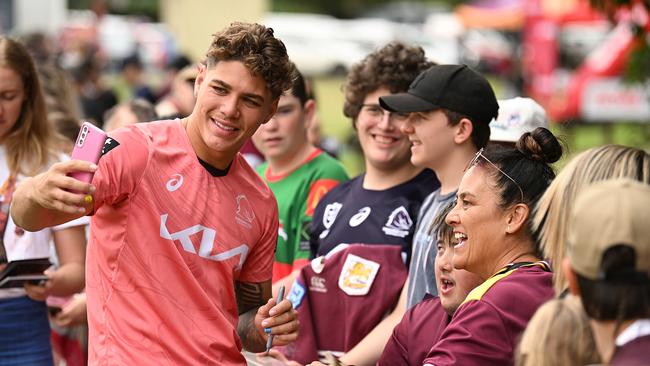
342	299
419	329
486	327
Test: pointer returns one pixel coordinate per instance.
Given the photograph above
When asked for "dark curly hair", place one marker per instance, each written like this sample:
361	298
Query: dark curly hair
257	48
394	66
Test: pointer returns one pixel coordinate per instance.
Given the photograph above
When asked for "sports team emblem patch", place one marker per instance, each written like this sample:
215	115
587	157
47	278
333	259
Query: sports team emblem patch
329	216
399	223
296	294
245	214
357	275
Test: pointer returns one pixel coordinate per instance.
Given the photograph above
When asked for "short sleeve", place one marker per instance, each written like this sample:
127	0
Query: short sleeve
121	167
476	336
396	350
258	266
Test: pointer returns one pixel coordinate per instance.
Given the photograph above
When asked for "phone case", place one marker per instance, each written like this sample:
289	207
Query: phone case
88	147
19	281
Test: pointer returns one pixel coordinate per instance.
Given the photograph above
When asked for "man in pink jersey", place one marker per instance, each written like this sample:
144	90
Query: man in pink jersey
183	230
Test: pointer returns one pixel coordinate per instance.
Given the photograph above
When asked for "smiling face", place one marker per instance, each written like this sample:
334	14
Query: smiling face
231	104
12	96
286	132
384	146
432	137
479	224
453	284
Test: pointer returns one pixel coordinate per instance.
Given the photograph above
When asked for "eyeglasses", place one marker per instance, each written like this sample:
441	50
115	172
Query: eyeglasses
479	155
375	111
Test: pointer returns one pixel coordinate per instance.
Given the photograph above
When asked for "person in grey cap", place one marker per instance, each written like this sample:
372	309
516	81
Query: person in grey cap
451	107
608	266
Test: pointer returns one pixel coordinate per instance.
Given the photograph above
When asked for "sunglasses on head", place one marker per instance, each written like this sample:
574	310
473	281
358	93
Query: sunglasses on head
479	155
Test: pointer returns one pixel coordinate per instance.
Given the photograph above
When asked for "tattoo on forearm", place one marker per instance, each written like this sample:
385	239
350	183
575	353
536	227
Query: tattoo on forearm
250	296
251	339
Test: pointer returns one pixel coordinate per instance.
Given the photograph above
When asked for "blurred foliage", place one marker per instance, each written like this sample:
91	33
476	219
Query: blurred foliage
146	8
343	8
638	66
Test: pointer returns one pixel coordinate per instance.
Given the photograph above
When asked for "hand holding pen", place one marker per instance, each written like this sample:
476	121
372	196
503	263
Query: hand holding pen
269	341
278	320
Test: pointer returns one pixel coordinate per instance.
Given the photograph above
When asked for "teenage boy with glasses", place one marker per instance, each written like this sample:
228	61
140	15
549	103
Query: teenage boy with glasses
378	207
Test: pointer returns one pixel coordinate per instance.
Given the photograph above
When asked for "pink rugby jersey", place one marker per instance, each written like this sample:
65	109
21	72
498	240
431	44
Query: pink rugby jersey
168	241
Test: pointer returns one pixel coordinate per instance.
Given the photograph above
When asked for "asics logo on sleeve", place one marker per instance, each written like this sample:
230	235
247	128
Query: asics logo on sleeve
207	242
175	183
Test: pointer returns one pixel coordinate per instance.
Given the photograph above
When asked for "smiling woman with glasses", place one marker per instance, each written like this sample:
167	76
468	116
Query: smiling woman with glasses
491	222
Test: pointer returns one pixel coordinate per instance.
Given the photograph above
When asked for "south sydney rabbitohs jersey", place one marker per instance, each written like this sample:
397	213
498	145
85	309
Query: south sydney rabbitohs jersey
350	213
341	297
297	194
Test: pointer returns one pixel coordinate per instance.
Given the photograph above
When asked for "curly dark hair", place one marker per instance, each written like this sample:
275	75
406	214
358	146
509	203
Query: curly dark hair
393	66
257	48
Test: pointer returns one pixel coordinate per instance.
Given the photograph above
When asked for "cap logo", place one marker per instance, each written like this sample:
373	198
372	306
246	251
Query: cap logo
507	122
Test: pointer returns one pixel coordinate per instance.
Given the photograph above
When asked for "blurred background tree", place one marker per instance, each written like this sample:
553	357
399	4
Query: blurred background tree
638	66
355	8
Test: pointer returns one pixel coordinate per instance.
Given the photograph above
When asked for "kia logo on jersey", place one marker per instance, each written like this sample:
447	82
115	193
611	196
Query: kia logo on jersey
207	245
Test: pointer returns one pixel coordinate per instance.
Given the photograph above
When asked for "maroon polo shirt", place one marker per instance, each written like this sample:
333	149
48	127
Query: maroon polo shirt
486	327
633	353
419	329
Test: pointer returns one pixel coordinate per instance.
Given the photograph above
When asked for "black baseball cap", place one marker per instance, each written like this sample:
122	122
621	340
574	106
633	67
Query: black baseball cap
454	87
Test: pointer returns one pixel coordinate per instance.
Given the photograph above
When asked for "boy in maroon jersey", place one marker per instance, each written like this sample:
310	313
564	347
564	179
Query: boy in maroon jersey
422	325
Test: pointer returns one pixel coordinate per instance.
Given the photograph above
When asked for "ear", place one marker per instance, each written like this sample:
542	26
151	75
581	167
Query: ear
309	110
571	277
464	130
199	78
274	108
517	218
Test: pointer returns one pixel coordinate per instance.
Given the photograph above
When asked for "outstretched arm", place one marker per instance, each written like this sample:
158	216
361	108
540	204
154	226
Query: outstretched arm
256	313
369	349
47	200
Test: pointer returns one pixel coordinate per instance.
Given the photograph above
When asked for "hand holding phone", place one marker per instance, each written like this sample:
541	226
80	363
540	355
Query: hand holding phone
56	303
88	147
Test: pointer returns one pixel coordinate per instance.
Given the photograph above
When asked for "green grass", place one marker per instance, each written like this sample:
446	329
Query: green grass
577	137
